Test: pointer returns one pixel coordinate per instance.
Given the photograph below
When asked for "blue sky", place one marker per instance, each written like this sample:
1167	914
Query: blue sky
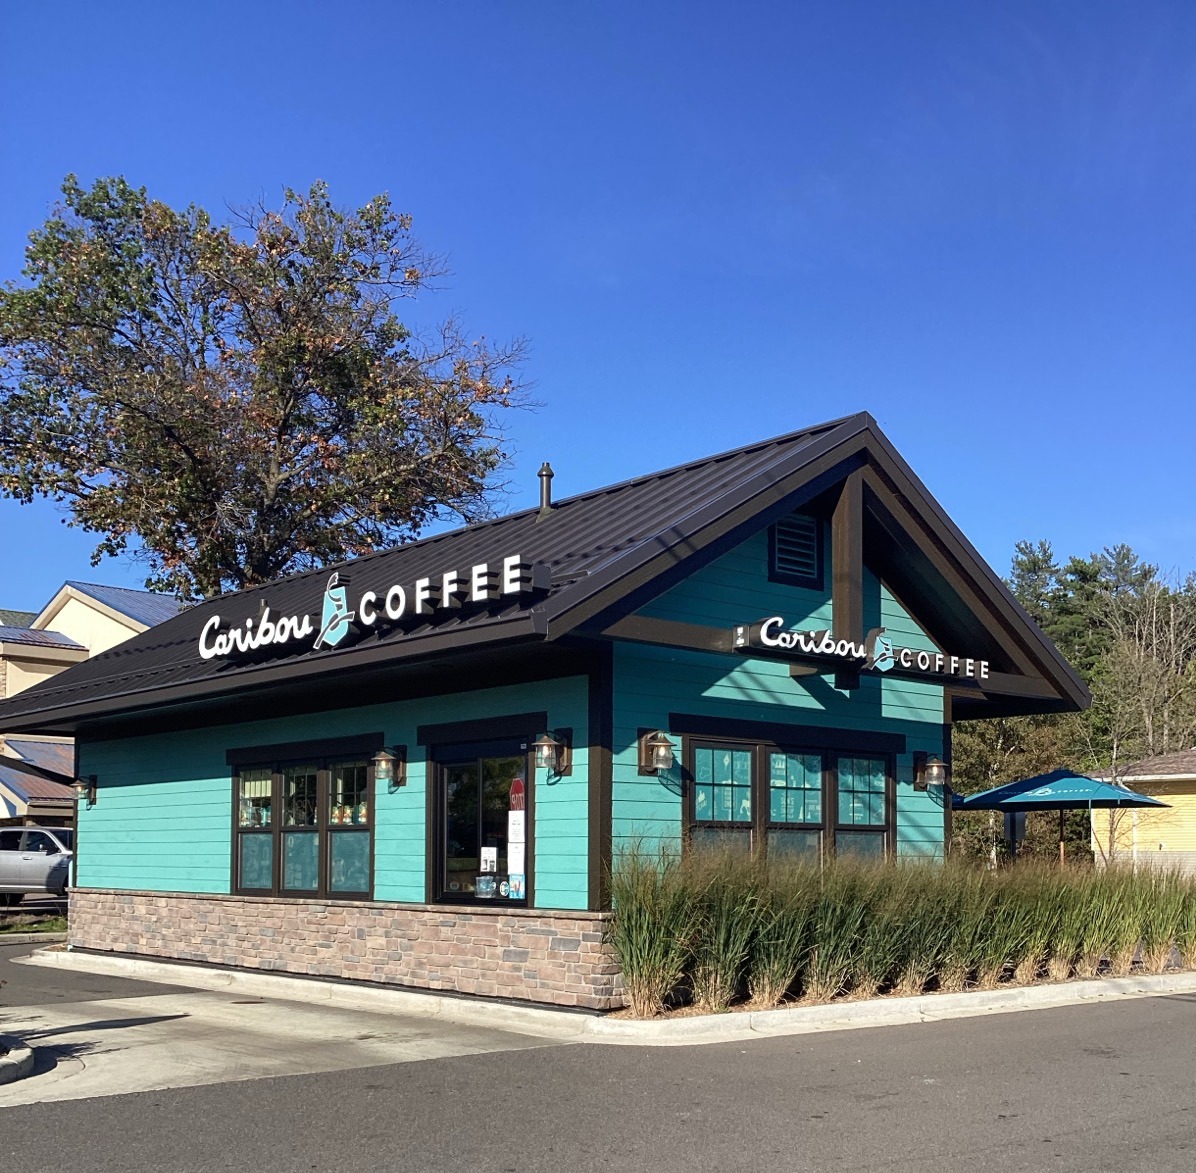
714	223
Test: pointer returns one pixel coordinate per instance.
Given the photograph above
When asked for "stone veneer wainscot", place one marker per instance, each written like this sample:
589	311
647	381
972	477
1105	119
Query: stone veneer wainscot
558	958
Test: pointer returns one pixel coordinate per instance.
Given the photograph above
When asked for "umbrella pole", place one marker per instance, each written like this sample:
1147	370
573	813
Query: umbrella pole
1060	836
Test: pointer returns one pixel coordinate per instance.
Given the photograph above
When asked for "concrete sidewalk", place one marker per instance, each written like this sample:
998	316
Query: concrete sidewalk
108	1047
565	1025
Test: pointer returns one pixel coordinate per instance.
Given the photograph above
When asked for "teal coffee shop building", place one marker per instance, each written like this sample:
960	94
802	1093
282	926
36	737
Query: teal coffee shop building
419	767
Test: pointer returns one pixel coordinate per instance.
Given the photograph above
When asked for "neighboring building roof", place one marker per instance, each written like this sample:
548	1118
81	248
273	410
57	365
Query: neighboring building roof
1172	765
606	553
29	784
145	607
16	618
37	639
55	757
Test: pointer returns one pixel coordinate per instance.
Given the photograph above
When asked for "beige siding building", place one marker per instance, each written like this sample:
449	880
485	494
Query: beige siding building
80	621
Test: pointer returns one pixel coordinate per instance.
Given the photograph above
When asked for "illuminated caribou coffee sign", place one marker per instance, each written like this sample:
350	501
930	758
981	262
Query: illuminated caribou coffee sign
877	653
423	599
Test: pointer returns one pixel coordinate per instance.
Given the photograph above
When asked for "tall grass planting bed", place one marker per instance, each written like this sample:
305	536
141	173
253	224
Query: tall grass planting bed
712	932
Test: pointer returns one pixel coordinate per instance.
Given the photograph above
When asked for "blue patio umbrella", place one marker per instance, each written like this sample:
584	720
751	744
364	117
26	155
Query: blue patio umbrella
1060	790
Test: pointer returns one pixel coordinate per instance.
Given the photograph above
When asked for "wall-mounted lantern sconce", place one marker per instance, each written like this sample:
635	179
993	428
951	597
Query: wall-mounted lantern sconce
554	751
655	752
930	772
390	766
85	790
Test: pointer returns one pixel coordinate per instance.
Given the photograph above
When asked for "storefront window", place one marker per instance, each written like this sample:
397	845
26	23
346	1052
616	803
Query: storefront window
788	802
348	829
862	784
304	828
481	837
255	825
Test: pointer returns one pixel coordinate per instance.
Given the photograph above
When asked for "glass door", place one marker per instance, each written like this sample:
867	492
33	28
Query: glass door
483	828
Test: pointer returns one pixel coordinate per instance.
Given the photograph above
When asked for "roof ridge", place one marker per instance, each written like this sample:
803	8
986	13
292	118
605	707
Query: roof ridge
107	586
587	494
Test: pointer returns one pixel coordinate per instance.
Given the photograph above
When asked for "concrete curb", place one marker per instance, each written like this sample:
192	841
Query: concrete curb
18	1062
664	1032
561	1024
32	938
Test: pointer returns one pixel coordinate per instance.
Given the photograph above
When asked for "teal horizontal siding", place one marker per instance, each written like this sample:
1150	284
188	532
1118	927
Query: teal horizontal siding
163	821
652	681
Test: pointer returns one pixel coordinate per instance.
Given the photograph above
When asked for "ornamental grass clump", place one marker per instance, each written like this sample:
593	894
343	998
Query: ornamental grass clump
1164	907
881	948
1067	935
1039	894
1103	925
651	929
780	950
721	925
927	928
968	898
1130	899
839	921
1005	934
725	891
1185	925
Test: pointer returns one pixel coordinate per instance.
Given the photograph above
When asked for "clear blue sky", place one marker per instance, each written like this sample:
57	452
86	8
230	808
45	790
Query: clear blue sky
715	223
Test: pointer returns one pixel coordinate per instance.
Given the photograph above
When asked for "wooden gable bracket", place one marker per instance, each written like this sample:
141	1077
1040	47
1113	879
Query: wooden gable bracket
847	570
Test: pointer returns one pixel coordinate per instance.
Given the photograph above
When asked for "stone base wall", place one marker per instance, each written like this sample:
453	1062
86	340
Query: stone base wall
537	956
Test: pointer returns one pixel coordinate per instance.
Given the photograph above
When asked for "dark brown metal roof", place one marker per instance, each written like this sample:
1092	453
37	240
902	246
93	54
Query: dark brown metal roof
37	639
598	546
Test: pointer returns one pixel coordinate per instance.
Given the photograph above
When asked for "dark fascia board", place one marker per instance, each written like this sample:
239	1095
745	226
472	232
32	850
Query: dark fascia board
968	560
363	744
484	729
714	526
525	626
757	501
781	734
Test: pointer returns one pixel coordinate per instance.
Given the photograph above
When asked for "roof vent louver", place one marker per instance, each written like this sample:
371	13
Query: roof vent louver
795	553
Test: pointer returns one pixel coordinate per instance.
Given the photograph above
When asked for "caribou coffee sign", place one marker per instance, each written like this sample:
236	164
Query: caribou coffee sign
877	653
426	597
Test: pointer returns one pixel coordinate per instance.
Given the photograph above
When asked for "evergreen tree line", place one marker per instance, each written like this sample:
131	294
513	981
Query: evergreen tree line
1130	632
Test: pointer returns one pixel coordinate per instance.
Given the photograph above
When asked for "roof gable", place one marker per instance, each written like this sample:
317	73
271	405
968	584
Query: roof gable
600	555
133	609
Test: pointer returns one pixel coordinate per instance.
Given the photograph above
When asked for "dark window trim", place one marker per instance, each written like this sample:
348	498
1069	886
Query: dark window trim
814	582
436	825
485	729
762	822
776	733
335	751
360	745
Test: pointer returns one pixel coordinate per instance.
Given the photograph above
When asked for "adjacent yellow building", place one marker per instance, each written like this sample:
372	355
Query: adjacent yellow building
1157	836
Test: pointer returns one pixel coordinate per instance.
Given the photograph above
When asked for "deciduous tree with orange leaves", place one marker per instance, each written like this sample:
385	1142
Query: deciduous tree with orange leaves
235	401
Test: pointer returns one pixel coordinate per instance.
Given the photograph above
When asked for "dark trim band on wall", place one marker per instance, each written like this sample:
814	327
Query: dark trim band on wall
294	751
487	729
600	780
813	736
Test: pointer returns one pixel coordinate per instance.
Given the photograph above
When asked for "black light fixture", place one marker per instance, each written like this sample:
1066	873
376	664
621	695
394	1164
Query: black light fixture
553	751
390	766
655	752
85	790
930	772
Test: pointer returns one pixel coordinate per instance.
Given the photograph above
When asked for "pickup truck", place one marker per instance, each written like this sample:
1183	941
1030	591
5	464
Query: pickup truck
34	859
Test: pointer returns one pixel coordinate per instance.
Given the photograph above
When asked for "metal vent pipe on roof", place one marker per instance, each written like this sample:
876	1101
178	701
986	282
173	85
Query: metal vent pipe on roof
545	474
